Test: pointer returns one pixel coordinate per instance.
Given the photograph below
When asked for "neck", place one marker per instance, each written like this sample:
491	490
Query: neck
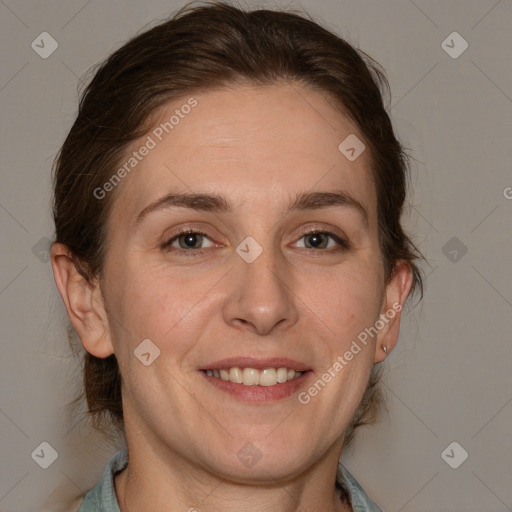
157	480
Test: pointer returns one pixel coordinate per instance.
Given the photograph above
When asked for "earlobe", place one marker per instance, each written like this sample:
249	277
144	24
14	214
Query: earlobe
397	291
84	303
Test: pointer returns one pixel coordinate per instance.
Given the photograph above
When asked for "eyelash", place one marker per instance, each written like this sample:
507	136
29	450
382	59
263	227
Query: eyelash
167	246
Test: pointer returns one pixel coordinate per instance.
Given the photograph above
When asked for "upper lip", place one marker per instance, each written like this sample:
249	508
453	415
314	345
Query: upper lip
258	364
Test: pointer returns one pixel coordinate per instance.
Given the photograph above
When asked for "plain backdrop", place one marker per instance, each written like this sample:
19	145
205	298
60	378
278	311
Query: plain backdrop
449	379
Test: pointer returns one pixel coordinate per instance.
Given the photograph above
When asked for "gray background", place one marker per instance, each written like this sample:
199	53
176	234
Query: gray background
449	378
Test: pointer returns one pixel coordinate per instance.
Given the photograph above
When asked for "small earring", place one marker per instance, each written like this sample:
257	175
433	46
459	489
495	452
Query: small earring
385	349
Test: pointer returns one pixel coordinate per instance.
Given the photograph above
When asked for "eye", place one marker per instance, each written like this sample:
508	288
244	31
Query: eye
191	242
323	240
187	241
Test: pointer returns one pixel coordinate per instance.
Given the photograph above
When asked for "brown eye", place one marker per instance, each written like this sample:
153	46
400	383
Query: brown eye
190	240
317	241
323	240
186	241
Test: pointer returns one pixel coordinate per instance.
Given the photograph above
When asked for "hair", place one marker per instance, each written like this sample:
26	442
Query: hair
200	48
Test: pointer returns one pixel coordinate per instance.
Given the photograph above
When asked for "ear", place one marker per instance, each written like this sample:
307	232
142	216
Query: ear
396	293
84	302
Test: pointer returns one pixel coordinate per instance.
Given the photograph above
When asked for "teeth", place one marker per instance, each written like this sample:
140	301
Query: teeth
282	375
253	377
236	375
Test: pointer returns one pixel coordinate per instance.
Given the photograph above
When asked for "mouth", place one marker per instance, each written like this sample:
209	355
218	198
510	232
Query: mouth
257	380
255	377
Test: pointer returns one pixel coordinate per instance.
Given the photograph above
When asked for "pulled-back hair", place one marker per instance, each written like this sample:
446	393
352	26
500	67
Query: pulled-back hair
200	48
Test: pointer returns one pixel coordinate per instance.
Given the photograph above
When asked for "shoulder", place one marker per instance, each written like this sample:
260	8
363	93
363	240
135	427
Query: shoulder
60	500
102	497
361	502
75	506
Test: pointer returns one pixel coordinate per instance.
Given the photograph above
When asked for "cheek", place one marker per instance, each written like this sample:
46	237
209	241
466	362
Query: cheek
161	306
347	300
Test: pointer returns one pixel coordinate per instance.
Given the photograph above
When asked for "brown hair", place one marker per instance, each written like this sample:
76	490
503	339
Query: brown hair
200	48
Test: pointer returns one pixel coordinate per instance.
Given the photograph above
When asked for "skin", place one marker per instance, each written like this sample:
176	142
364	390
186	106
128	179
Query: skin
259	147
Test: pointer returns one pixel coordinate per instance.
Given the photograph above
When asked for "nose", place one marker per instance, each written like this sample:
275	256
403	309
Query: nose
261	297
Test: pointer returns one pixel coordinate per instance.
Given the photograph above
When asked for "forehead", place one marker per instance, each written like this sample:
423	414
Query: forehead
254	144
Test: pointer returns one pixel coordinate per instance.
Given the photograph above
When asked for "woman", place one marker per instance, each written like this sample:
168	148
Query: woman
230	253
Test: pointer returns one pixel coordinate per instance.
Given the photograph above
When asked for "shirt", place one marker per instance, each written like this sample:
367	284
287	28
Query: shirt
102	497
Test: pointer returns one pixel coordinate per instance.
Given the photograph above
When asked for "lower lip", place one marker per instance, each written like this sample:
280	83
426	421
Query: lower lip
260	393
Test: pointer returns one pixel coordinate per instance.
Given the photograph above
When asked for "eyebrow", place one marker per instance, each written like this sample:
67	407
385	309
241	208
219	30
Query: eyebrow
215	203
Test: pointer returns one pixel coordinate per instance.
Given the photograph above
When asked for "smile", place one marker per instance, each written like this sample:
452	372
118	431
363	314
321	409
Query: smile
254	377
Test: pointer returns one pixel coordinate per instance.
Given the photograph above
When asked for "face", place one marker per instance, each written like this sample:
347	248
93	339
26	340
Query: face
244	239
